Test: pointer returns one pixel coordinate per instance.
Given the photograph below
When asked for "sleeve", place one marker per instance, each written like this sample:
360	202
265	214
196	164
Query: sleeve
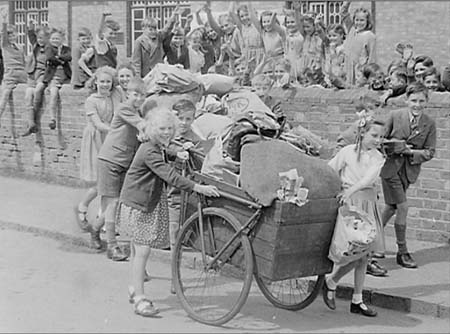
154	161
338	161
101	45
32	38
136	58
388	125
427	152
132	117
371	48
90	107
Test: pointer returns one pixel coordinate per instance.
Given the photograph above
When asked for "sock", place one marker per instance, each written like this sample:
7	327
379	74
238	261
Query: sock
331	284
110	233
400	233
357	298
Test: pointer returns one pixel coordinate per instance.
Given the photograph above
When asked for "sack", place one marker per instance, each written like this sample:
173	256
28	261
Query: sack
238	102
216	83
170	79
250	123
353	234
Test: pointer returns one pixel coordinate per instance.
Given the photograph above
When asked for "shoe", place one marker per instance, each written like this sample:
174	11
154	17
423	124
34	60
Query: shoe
131	294
30	130
147	277
375	269
96	242
52	124
378	255
330	302
361	308
81	217
144	307
115	253
172	288
405	260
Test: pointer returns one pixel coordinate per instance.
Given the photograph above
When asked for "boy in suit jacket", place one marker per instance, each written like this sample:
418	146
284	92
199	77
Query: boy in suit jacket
114	159
401	169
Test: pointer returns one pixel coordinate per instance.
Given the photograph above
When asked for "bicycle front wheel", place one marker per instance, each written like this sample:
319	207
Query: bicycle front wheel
212	294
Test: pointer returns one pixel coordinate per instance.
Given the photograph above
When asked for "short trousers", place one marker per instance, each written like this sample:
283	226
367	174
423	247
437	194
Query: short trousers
58	79
394	188
110	177
36	77
13	77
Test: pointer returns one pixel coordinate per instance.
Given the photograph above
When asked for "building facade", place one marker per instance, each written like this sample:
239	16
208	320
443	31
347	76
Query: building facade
425	24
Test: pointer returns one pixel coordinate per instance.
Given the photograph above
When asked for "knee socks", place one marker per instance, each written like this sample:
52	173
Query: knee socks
400	233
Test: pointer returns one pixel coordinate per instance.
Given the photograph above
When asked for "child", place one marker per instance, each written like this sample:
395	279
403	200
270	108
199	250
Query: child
360	42
421	64
282	70
185	111
99	109
142	192
82	67
432	80
14	62
242	72
125	72
372	77
196	52
312	52
358	166
57	71
247	23
175	48
294	41
114	159
105	52
401	169
148	48
35	67
334	70
274	37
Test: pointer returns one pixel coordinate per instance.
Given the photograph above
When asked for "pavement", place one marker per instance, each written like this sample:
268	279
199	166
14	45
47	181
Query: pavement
48	210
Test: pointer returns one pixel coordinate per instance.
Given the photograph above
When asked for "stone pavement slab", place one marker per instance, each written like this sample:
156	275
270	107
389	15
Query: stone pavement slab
48	209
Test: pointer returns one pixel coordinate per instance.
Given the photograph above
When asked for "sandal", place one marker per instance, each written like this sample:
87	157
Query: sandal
82	219
144	307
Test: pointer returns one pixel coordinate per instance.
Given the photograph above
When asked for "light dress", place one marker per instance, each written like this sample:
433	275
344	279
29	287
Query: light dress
351	171
93	138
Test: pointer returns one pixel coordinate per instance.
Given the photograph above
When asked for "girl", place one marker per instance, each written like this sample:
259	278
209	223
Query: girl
274	37
176	49
432	80
57	71
421	64
312	53
35	66
196	52
13	60
99	108
125	72
335	57
247	22
282	70
360	43
359	166
294	41
141	197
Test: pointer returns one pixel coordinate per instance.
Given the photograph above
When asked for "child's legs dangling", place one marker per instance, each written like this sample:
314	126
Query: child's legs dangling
6	93
53	105
38	96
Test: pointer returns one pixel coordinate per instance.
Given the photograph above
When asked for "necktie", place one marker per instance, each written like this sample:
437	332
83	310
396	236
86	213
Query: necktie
413	124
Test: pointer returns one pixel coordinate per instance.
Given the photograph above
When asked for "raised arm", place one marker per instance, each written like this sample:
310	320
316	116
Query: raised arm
31	32
198	18
213	24
233	14
345	15
171	21
253	16
84	59
4	15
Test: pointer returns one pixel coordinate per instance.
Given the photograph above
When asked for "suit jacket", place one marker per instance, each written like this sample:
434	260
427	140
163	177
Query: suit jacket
422	141
147	53
121	143
53	61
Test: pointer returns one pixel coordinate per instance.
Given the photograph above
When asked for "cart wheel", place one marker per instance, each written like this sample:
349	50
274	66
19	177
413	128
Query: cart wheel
212	296
291	294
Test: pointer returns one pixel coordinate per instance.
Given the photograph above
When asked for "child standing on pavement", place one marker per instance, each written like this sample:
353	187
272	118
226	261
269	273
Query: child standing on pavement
14	62
35	67
359	166
99	109
114	159
141	196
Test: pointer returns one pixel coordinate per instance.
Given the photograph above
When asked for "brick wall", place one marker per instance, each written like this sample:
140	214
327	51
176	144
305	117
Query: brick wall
325	112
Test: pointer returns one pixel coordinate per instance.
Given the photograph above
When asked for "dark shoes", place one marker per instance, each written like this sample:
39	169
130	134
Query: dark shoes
96	242
30	130
52	124
116	254
405	260
375	269
330	302
378	256
361	308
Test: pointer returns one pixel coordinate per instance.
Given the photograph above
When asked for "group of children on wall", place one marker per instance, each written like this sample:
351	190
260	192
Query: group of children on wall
126	151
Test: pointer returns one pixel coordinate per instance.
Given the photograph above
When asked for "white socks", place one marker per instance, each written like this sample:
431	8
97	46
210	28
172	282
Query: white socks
357	298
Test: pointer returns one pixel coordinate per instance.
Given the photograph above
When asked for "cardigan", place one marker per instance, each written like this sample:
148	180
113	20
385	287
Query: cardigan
145	179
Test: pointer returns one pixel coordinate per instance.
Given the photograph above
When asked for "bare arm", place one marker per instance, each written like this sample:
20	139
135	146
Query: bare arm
345	15
253	16
212	22
233	15
85	57
199	19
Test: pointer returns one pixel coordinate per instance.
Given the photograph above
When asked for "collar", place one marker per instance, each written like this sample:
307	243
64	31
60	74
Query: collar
411	116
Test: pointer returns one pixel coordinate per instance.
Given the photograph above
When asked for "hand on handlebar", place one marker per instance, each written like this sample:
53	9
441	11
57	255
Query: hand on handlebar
183	155
207	190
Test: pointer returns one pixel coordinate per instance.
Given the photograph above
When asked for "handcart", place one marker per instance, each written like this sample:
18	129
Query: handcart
228	240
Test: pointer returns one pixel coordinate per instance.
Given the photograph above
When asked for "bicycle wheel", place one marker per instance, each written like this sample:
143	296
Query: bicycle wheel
291	294
212	296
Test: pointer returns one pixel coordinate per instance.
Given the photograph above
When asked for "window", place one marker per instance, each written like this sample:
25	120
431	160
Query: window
329	9
160	10
23	12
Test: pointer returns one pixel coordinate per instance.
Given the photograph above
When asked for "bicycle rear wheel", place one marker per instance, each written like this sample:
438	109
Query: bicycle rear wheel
291	294
212	296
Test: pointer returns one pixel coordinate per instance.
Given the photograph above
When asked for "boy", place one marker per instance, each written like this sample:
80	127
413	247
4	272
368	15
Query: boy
83	64
105	52
401	169
148	48
114	159
185	111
